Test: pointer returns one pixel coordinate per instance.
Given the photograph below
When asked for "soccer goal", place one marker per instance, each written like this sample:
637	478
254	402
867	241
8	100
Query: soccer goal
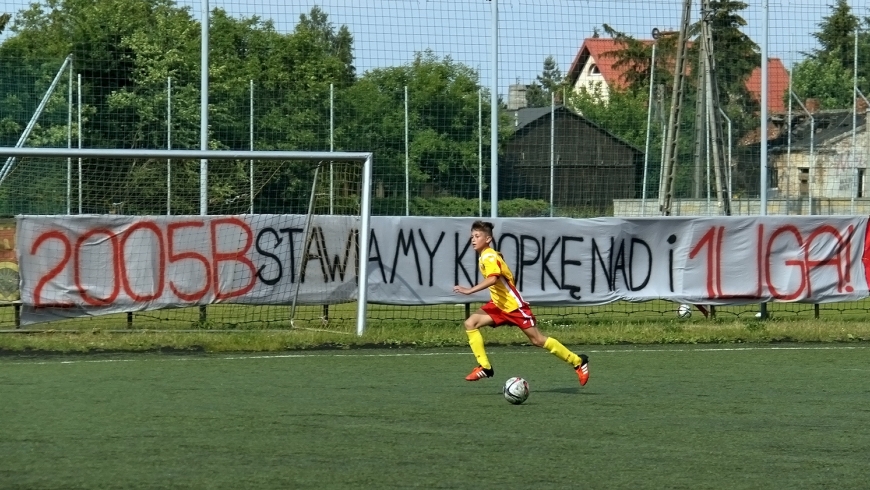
242	237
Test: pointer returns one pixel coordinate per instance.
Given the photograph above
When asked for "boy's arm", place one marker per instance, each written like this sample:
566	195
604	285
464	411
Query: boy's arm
489	281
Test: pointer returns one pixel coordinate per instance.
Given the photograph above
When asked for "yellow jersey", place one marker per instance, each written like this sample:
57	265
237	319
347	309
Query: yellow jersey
504	293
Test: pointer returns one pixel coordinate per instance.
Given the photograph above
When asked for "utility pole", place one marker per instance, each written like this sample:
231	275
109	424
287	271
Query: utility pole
666	191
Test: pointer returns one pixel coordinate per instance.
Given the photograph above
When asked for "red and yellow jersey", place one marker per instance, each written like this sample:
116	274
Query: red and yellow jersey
504	293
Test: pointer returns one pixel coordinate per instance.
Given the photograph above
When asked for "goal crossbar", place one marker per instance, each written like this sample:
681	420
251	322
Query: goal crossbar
366	158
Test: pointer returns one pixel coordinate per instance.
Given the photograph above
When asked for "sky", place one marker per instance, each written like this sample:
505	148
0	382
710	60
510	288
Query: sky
389	32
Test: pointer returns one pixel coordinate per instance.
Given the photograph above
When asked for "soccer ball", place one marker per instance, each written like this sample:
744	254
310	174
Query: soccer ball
684	311
516	390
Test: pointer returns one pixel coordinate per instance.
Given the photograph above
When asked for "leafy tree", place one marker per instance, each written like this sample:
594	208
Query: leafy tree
827	73
549	82
825	80
4	19
836	36
736	56
443	124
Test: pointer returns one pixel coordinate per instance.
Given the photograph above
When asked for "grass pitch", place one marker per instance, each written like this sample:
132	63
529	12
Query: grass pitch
650	417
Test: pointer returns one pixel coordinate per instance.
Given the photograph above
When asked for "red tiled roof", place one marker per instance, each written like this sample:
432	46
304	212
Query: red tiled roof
777	85
597	48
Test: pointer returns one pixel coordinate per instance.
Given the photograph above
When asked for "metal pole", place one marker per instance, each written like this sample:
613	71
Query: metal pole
168	145
493	101
69	141
728	167
203	121
788	147
331	147
652	68
304	251
407	160
203	111
763	163
479	152
251	137
763	170
812	150
708	145
79	89
552	148
10	162
364	233
854	126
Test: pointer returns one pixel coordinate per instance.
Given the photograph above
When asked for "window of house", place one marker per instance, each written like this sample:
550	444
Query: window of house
593	70
804	179
860	186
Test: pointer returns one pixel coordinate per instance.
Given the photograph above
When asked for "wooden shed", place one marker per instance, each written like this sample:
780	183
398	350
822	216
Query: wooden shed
591	167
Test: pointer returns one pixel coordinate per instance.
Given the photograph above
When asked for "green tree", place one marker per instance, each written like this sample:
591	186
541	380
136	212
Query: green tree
548	83
836	36
827	74
825	80
443	125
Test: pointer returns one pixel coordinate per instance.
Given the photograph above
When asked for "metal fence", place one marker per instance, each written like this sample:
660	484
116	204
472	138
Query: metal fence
596	101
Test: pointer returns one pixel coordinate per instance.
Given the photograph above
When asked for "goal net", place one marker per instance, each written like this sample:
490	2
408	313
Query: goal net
272	240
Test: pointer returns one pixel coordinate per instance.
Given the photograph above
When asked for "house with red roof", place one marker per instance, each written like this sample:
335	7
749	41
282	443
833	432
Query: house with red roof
594	67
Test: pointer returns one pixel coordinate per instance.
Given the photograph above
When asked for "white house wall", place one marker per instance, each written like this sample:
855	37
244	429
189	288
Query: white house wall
592	81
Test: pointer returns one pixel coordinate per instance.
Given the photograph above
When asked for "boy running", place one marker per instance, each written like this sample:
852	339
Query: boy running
505	306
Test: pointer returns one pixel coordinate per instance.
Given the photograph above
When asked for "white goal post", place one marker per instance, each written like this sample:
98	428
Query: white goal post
365	158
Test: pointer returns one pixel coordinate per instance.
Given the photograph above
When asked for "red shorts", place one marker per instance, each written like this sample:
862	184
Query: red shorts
521	317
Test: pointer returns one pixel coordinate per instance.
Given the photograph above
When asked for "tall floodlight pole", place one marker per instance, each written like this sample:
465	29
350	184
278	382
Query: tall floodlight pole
763	170
493	101
203	109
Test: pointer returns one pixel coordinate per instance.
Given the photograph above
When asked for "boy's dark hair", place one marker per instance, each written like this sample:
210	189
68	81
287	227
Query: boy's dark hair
484	226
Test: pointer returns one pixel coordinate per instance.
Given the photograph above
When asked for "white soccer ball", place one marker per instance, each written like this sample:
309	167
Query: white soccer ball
684	311
516	390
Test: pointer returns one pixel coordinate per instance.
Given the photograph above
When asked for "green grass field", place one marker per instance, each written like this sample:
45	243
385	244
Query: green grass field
651	417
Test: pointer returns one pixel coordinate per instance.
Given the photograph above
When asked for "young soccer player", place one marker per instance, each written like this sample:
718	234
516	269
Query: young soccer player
505	306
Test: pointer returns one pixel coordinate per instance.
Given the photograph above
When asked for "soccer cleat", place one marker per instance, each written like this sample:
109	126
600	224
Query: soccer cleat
583	369
479	373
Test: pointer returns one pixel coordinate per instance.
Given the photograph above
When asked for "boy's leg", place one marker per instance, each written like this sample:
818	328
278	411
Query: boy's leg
475	340
580	363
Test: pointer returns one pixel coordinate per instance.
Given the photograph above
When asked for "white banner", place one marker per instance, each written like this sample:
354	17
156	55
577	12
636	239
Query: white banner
85	265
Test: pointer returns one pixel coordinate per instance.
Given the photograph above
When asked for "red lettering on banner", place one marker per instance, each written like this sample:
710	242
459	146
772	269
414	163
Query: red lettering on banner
161	265
713	241
800	264
843	277
707	241
865	256
116	287
234	256
54	271
173	257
